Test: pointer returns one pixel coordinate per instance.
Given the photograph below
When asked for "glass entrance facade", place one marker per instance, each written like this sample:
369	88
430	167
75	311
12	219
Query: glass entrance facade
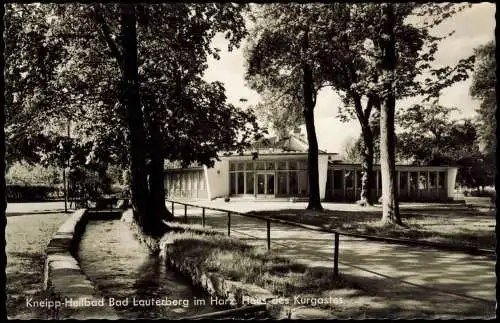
269	178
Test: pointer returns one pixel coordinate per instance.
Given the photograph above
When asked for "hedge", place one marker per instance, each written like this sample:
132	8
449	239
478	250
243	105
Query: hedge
30	193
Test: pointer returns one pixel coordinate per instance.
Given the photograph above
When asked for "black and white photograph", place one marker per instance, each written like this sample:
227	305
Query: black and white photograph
249	160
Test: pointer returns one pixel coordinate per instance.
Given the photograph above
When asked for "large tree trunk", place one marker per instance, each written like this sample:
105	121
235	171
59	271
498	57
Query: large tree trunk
390	203
156	174
313	172
131	100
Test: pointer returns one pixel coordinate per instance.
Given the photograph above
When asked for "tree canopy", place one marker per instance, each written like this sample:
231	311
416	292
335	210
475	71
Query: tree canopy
124	76
430	136
174	41
483	88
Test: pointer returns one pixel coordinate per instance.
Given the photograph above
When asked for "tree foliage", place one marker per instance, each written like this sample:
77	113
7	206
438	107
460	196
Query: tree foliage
174	43
483	88
281	64
429	136
279	112
91	50
22	174
354	150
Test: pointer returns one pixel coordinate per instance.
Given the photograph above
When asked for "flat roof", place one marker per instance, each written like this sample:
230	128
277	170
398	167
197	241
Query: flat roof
332	163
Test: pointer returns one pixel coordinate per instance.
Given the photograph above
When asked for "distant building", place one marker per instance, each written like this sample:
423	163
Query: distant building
278	169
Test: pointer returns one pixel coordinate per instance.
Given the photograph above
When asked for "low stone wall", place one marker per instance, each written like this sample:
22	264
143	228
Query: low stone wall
231	293
72	294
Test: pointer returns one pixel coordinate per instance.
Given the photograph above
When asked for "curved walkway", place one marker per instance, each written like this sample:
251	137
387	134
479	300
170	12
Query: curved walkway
432	280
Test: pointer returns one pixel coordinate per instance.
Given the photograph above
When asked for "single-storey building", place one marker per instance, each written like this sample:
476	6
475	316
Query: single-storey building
278	169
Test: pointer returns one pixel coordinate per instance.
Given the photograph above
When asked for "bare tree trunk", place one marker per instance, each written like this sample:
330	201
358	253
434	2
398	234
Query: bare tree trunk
390	203
367	168
156	174
131	100
366	197
312	157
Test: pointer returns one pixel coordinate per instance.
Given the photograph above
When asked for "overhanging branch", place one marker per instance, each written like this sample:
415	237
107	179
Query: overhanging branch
105	32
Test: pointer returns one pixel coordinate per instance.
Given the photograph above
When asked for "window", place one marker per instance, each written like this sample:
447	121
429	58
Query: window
240	166
241	183
302	164
270	184
337	179
179	181
250	179
403	180
260	165
270	165
432	180
441	178
294	187
303	182
282	183
282	164
349	179
232	183
188	181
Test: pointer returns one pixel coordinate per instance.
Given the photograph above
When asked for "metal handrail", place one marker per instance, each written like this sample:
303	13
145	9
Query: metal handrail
336	233
349	234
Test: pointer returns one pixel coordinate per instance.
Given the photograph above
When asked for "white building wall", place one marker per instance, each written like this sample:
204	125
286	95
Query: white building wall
217	179
451	181
323	171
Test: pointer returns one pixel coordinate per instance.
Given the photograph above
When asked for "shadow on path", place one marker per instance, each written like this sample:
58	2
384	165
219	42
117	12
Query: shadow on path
427	279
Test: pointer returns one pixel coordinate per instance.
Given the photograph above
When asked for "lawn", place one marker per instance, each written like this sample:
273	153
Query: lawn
26	239
440	223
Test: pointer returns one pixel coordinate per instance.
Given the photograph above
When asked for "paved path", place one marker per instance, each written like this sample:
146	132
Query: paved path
446	280
34	208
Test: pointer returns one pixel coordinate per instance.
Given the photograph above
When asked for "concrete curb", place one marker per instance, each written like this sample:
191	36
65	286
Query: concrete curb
72	294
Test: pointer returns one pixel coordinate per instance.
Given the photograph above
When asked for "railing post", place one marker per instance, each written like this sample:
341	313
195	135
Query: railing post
268	234
185	213
173	208
228	224
203	217
336	256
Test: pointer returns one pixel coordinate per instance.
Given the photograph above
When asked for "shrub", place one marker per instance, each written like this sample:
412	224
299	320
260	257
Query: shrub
491	194
27	193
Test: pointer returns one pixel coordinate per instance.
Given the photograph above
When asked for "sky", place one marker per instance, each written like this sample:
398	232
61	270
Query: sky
473	27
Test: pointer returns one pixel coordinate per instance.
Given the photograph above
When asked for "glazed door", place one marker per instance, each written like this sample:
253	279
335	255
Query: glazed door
265	185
